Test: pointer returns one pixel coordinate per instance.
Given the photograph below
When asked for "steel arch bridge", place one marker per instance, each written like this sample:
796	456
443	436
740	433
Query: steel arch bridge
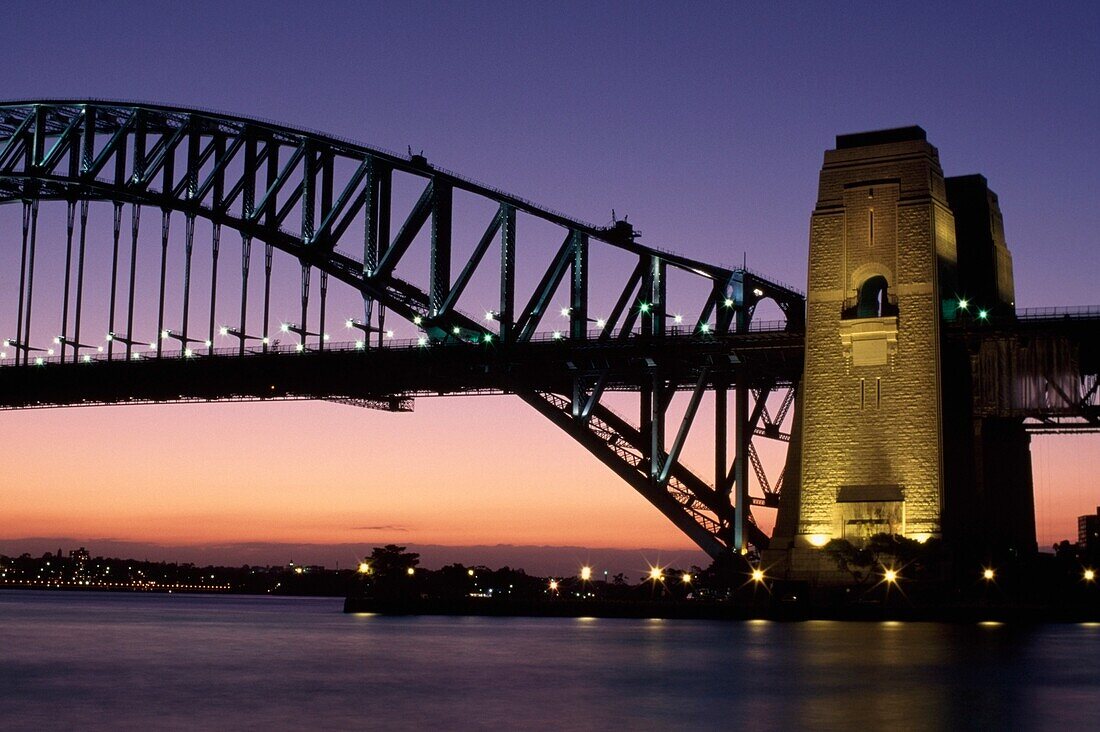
360	216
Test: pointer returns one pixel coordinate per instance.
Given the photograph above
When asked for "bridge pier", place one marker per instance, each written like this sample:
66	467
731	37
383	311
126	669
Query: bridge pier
888	440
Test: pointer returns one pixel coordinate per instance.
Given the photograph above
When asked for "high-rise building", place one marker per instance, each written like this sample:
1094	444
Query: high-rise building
1088	532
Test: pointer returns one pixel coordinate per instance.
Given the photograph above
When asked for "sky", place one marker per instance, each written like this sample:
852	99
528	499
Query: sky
705	124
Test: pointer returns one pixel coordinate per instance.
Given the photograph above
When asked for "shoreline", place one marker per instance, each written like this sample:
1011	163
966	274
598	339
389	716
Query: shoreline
723	611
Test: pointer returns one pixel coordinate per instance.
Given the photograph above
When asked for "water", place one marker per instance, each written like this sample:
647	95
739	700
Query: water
124	661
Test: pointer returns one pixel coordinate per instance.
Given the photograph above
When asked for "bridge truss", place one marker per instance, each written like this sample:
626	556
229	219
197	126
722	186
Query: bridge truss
413	244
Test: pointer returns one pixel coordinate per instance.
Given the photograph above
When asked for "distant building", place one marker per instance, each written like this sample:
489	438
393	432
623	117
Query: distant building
80	556
1088	532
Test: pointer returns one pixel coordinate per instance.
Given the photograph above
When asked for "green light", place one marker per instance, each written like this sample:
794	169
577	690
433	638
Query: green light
729	302
705	328
488	337
983	314
644	307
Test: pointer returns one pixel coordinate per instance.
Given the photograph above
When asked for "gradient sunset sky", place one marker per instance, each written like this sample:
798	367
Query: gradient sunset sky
706	126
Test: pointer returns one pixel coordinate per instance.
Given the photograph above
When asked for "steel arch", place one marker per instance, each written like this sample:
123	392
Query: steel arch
254	177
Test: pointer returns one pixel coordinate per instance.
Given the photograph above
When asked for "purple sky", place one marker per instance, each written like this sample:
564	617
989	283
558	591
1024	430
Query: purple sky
706	126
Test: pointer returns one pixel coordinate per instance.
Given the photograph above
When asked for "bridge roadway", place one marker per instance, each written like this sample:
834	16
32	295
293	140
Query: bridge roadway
389	376
770	355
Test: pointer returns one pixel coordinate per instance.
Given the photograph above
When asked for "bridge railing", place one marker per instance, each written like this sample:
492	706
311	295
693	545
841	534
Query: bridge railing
147	353
1079	311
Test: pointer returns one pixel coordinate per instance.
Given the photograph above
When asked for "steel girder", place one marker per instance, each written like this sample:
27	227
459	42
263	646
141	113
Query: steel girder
318	198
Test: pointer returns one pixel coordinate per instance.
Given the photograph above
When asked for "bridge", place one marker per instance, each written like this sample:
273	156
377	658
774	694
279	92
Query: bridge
398	254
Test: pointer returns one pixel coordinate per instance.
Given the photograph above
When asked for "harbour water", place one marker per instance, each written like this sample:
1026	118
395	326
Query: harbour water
71	660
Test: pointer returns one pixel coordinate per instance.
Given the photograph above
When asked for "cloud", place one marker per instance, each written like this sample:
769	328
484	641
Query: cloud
384	527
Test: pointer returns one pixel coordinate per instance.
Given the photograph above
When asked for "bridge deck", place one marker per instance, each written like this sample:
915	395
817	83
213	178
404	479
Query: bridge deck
344	371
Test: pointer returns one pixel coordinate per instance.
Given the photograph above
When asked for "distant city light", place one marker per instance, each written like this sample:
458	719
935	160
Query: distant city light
656	574
470	572
298	570
410	571
1089	575
553	585
686	578
364	568
586	573
988	574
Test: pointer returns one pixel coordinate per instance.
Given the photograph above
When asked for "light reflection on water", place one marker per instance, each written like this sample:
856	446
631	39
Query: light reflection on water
81	660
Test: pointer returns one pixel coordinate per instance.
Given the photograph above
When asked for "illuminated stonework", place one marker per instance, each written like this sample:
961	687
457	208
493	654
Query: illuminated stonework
880	237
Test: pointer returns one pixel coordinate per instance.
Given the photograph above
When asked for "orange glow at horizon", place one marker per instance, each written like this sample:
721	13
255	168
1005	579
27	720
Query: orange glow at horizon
458	471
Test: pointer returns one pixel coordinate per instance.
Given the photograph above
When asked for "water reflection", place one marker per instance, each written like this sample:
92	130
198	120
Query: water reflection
125	661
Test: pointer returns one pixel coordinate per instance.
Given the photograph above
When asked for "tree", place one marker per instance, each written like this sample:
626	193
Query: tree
392	561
